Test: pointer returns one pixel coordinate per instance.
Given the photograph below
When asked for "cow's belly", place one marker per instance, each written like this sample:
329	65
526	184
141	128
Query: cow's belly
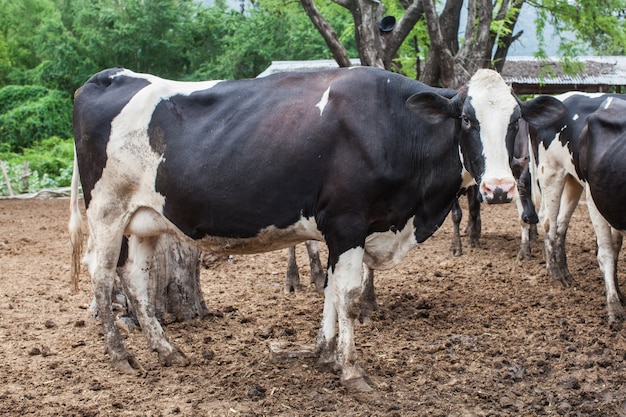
384	250
269	239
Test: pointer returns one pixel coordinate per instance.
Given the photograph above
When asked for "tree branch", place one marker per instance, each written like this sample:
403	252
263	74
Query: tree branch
328	33
438	46
413	13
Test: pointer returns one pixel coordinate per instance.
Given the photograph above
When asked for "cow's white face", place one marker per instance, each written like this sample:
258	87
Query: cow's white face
489	121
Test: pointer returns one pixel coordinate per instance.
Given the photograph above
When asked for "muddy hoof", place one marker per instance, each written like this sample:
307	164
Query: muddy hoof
176	358
129	365
616	325
524	254
357	385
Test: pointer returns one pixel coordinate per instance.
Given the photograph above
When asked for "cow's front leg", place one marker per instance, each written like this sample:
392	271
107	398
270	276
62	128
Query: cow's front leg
135	282
552	187
474	222
456	247
326	343
569	201
347	283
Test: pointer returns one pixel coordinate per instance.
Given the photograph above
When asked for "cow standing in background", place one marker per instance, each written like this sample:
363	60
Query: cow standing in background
368	161
555	149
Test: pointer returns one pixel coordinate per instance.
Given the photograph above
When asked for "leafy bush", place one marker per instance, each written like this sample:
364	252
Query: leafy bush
50	164
30	114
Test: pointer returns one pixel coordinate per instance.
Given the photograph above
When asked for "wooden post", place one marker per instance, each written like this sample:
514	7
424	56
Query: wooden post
25	175
3	165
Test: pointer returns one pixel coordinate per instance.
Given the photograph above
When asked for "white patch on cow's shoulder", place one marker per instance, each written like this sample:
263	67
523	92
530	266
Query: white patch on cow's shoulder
269	239
384	250
324	101
575	117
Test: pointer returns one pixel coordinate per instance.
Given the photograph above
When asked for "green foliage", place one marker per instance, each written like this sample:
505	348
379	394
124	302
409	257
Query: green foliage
50	165
599	24
29	114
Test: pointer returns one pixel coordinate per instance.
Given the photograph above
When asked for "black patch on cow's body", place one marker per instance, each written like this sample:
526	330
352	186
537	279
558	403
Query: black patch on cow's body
96	104
603	162
246	155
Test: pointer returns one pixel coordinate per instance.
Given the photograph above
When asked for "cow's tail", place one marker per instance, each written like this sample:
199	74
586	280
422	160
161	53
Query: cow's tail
75	227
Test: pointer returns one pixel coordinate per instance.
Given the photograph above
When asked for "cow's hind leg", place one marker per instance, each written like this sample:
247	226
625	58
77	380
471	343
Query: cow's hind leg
135	281
101	261
292	280
608	249
317	271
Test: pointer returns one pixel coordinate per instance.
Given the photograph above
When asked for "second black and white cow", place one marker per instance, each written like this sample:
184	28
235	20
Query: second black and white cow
366	160
556	152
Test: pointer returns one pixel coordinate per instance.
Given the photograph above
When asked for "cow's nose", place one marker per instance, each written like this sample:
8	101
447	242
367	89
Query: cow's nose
498	190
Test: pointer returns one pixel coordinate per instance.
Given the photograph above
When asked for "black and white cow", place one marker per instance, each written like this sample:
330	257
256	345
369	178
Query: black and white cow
603	166
366	160
556	154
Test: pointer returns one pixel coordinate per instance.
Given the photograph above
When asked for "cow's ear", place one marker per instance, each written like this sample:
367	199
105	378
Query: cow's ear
432	108
542	111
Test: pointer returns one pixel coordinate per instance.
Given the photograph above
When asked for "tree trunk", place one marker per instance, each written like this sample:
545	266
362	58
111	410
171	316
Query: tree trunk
366	14
174	287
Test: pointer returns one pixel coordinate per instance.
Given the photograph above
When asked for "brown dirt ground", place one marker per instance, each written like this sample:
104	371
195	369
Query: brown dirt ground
479	335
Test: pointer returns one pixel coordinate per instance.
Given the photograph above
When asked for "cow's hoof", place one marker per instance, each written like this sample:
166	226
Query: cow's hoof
176	358
616	325
616	316
129	365
567	280
357	385
524	254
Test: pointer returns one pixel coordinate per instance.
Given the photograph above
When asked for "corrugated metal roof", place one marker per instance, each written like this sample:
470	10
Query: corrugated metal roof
598	70
526	74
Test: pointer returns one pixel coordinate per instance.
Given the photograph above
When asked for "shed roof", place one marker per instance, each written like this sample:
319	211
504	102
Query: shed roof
527	75
532	75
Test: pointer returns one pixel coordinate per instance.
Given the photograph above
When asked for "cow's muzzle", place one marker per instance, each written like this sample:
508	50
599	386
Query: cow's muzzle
498	191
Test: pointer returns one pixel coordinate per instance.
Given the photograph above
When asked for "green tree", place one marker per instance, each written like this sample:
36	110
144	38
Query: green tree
29	114
490	29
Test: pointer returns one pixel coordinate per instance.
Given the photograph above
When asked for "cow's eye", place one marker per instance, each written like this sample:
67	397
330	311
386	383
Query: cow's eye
467	123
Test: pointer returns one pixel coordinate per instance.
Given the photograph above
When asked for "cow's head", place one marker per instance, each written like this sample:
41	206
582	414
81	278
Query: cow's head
488	114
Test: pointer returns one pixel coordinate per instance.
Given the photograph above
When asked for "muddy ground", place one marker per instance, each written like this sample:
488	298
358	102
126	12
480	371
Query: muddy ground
479	335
